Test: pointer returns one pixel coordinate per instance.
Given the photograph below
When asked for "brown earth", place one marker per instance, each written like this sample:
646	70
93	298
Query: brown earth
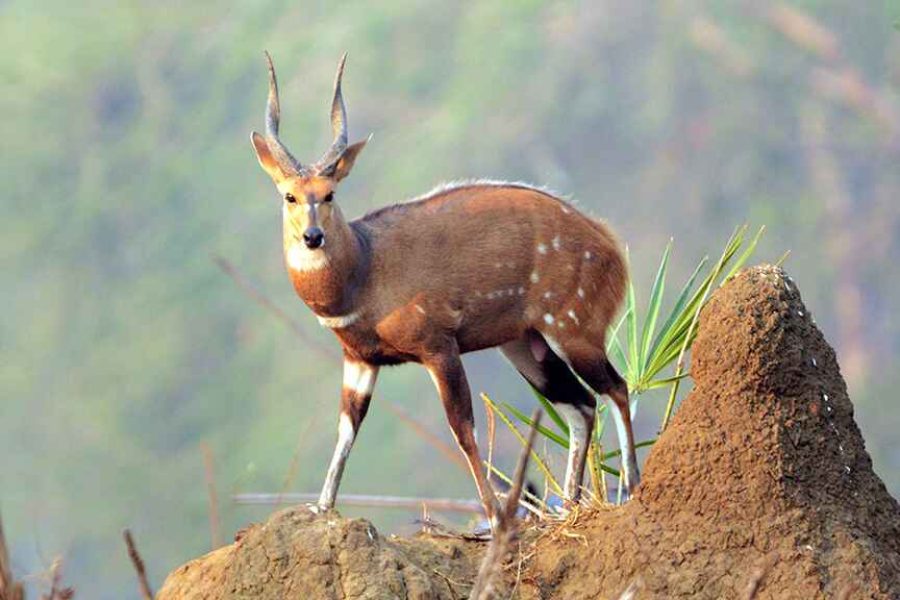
762	476
297	554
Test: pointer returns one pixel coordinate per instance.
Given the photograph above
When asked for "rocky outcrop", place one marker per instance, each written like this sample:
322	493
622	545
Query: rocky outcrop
762	478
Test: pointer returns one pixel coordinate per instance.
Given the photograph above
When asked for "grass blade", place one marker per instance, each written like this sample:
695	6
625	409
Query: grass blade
656	292
543	430
515	431
551	412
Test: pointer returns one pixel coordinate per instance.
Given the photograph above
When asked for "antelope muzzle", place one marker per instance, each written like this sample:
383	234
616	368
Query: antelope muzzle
314	238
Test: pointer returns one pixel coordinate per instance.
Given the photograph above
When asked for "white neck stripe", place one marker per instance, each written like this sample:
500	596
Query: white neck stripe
338	322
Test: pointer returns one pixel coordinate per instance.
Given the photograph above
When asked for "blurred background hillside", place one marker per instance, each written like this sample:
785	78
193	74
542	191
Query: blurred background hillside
127	169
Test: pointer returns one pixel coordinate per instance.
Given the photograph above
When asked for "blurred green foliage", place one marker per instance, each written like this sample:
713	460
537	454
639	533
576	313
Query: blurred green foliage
127	166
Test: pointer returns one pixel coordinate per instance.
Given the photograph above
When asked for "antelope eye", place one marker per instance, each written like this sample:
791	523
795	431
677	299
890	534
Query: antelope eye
329	197
290	198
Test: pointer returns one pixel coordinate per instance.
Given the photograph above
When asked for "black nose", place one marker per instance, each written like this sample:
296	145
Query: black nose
313	238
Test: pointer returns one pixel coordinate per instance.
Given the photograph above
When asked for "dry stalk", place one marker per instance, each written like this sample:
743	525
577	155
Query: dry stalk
505	529
411	502
212	497
630	591
756	579
146	592
10	589
57	592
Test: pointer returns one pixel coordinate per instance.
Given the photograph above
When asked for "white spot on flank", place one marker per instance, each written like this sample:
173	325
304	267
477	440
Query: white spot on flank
510	291
534	277
419	308
548	294
572	316
498	265
580	293
521	290
587	255
301	258
560	324
548	318
564	209
556	243
338	322
542	248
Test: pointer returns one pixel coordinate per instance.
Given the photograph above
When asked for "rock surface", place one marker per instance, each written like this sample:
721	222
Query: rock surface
298	554
763	472
762	476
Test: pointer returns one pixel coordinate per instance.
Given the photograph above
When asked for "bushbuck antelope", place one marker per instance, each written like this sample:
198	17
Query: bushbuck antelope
465	267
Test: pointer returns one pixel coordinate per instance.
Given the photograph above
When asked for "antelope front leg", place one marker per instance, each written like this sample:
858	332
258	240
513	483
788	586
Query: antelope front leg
359	380
450	379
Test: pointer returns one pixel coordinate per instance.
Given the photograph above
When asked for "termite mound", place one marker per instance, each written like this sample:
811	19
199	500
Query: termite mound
761	479
762	476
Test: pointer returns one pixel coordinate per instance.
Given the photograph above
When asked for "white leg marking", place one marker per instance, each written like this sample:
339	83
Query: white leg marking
577	449
629	461
359	377
346	435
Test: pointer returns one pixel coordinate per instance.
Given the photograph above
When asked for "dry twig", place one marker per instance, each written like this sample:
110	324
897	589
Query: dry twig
439	504
213	498
756	579
146	592
505	529
10	589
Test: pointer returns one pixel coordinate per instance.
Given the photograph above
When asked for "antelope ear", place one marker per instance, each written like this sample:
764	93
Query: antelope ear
345	163
266	158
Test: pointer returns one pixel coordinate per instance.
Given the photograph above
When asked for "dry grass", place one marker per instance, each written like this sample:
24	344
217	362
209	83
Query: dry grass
506	528
137	561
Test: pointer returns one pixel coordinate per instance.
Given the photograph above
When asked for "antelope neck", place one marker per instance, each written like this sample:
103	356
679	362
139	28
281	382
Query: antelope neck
331	289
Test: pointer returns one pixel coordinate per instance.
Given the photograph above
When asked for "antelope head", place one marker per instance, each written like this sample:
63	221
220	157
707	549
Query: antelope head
309	212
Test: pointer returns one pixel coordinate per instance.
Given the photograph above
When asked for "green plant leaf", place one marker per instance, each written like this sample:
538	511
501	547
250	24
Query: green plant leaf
545	431
551	412
615	453
663	337
518	434
656	292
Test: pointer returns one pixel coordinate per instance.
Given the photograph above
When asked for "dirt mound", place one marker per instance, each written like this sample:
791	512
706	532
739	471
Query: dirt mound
762	476
297	554
762	472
